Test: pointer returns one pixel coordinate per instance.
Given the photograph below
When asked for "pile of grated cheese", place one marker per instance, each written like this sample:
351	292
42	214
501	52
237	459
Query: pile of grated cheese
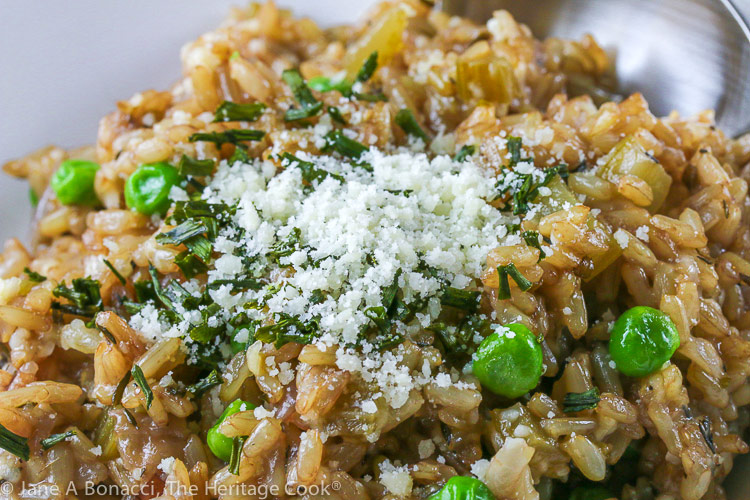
359	230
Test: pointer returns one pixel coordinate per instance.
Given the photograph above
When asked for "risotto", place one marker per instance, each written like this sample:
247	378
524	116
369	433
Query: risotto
414	257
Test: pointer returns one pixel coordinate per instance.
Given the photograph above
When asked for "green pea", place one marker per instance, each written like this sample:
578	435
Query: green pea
509	361
642	340
218	443
147	189
73	182
463	488
590	493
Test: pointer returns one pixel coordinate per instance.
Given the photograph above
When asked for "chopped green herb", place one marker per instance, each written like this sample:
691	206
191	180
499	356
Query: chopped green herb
196	168
190	265
309	105
504	287
238	112
234	458
51	441
35	277
120	389
84	294
337	141
130	418
140	379
408	123
287	329
310	173
13	443
287	247
117	274
211	380
181	233
325	84
33	198
368	68
232	136
336	114
107	334
514	149
467	300
704	425
466	151
361	96
238	284
579	401
532	239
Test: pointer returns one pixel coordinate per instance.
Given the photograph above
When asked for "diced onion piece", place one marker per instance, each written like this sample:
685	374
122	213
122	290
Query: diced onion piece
384	37
629	158
481	74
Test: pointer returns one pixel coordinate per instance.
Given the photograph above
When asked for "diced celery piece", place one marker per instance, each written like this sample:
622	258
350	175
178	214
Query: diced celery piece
629	158
384	37
481	74
104	436
561	197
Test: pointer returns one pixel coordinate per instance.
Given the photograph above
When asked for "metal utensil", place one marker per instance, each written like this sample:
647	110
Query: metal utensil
684	55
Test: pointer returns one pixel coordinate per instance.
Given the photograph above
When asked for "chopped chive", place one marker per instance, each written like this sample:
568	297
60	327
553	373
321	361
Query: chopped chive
705	427
211	380
506	271
33	198
13	443
107	334
467	300
117	274
309	105
181	233
367	97
194	167
466	151
234	458
337	141
238	112
51	441
368	67
579	401
140	379
35	277
120	389
408	123
310	173
532	239
336	114
514	149
325	84
130	418
190	265
232	136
